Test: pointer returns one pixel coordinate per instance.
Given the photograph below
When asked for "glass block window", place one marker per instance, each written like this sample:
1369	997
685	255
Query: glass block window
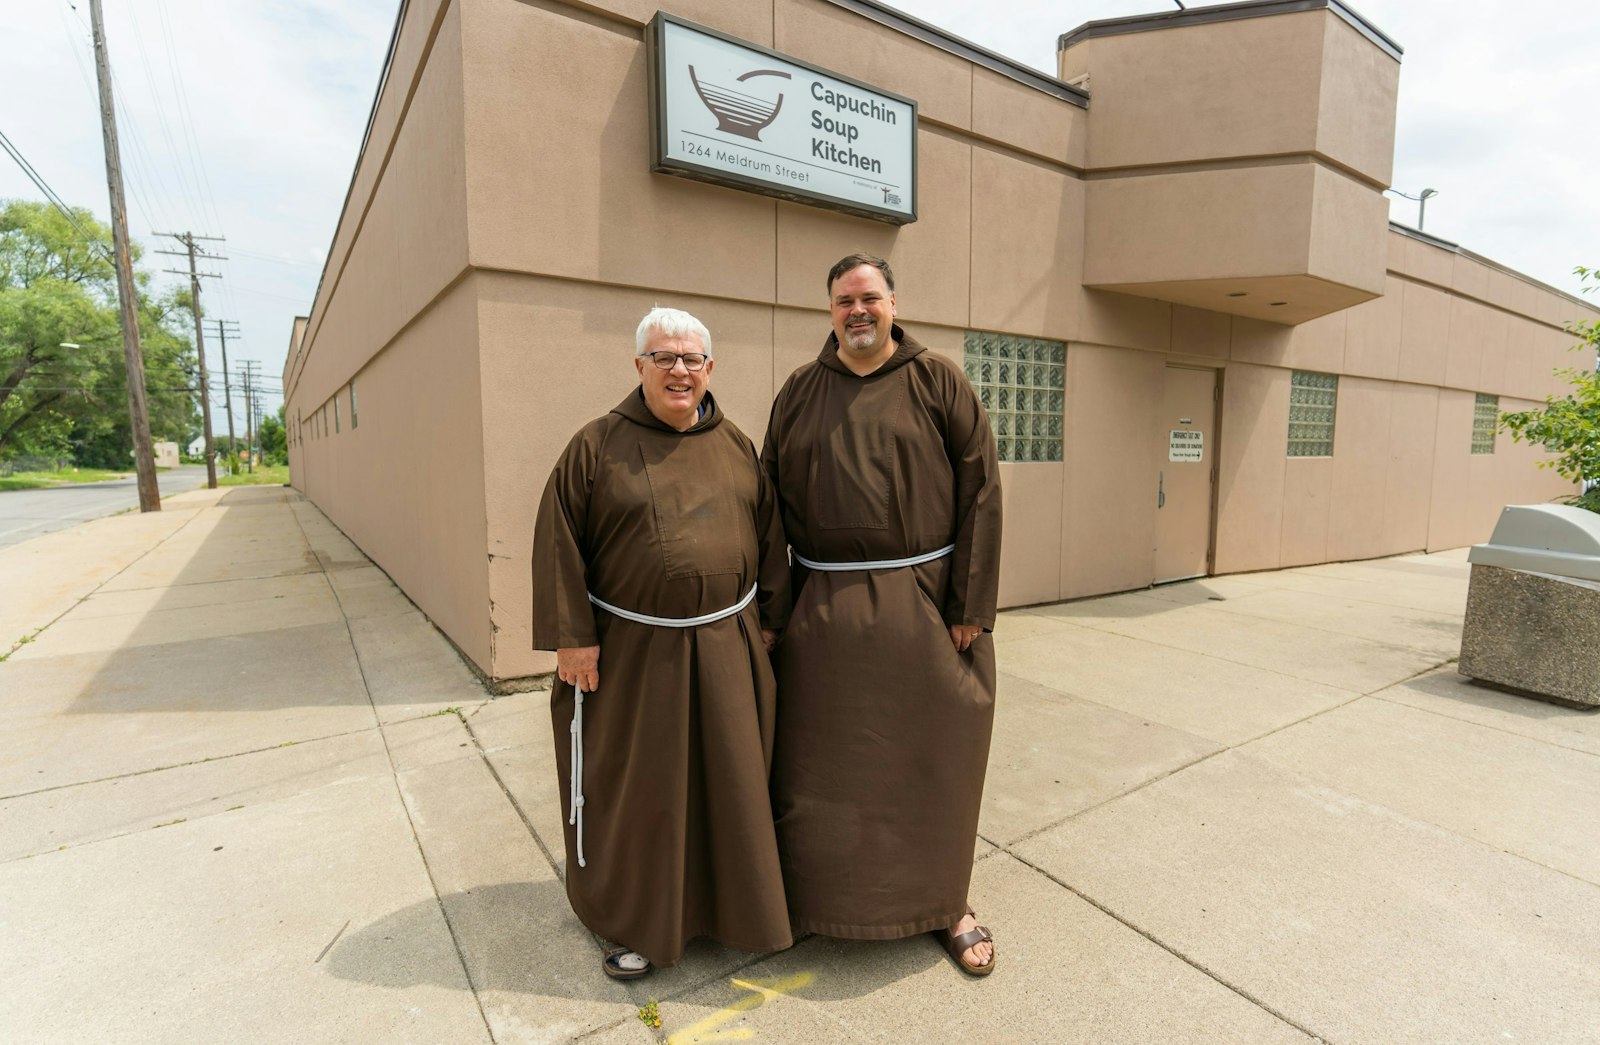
354	423
336	415
1313	401
1021	382
1485	419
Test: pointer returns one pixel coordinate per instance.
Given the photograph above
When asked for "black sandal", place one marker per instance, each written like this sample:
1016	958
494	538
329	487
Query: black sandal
611	963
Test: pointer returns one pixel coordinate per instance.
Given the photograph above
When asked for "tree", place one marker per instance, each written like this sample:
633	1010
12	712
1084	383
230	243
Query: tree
1569	425
56	287
274	439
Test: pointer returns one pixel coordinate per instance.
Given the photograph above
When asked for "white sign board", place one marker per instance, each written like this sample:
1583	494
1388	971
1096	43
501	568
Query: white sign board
730	112
1186	445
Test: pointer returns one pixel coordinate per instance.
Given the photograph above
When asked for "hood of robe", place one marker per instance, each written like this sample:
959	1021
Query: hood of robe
634	408
906	349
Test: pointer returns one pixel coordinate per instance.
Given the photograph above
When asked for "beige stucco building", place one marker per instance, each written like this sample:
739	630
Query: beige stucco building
1170	271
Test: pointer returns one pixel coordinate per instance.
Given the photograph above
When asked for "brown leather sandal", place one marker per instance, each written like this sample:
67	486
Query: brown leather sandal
616	965
956	946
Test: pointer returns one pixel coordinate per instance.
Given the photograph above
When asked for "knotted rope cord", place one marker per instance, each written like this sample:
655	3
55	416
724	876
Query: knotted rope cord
575	800
874	564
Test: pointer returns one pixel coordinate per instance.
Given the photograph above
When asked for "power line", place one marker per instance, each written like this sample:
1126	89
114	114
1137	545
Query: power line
50	194
278	259
138	155
186	121
160	111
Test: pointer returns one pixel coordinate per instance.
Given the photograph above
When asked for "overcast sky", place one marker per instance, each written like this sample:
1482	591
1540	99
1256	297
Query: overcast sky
242	118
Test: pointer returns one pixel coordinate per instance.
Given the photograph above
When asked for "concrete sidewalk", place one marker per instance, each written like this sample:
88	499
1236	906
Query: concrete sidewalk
248	794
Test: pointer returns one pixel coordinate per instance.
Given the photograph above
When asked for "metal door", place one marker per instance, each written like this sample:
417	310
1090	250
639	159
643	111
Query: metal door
1187	473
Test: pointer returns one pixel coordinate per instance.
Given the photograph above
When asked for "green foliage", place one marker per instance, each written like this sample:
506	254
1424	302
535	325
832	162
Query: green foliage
56	288
1569	425
35	478
264	475
273	439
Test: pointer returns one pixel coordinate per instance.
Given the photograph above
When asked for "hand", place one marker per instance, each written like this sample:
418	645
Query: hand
961	635
769	638
579	666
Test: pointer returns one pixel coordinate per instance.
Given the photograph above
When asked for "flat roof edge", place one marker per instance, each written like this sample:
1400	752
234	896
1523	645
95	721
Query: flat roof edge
916	28
1456	248
1227	13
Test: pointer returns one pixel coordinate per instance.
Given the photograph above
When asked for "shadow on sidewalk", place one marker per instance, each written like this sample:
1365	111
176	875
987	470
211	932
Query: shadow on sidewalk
259	605
257	624
511	944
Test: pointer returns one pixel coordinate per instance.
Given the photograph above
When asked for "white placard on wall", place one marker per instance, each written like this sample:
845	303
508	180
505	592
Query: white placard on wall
1187	445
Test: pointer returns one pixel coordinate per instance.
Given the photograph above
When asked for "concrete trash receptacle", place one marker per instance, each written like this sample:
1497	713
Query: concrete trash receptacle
1533	604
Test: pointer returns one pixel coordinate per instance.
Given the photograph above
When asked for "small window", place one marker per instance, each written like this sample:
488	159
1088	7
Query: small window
336	413
1021	382
1485	419
354	424
1313	402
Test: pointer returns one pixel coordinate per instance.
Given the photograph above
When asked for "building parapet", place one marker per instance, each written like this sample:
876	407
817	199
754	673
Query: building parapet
1225	13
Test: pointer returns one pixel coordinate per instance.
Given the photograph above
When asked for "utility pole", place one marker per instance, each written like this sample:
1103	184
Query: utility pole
188	239
258	410
249	368
227	328
144	459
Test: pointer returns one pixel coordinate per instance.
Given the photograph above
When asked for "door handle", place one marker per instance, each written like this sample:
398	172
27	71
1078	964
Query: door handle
1161	489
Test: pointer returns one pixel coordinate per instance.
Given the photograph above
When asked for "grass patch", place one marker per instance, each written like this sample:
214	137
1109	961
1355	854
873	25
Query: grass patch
264	475
36	480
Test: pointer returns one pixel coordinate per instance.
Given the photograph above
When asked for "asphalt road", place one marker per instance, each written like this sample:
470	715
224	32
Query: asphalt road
29	513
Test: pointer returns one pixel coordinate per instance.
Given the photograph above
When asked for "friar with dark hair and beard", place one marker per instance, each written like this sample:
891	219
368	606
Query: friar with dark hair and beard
888	479
660	579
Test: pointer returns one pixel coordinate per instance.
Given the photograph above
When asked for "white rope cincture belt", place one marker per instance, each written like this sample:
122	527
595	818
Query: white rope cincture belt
575	778
875	564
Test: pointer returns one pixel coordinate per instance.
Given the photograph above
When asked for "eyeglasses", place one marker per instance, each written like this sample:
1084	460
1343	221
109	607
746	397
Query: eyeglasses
692	361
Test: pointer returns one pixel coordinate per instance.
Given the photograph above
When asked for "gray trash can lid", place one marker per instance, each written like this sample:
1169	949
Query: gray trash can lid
1557	539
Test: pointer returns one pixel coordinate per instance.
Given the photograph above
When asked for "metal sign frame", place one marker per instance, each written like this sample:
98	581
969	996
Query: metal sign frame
661	163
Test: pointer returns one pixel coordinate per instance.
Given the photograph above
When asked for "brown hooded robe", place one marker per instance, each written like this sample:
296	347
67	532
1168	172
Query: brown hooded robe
883	728
678	737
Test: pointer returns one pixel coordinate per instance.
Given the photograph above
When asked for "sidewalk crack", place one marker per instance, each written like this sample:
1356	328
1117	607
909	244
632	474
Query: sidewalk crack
405	807
522	814
1192	963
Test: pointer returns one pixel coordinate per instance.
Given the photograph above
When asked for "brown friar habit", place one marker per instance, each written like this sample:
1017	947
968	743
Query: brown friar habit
883	728
678	737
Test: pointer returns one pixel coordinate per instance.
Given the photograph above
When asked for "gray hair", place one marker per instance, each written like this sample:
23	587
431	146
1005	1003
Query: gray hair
673	322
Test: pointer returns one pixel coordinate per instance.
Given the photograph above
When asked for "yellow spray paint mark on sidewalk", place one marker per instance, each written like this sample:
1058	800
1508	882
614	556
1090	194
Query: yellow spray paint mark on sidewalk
762	991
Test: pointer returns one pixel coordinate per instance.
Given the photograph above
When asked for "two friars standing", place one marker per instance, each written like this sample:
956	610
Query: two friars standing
751	746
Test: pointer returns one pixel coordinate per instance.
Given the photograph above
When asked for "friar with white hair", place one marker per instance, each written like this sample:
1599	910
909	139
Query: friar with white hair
660	579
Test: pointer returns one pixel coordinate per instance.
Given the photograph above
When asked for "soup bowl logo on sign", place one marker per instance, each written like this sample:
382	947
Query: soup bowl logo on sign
738	113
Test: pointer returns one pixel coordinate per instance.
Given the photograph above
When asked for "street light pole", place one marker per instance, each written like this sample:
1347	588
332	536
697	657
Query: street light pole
1422	199
1422	206
144	460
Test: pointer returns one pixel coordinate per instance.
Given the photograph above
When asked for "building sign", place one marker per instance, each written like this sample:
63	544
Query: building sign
1186	445
729	112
